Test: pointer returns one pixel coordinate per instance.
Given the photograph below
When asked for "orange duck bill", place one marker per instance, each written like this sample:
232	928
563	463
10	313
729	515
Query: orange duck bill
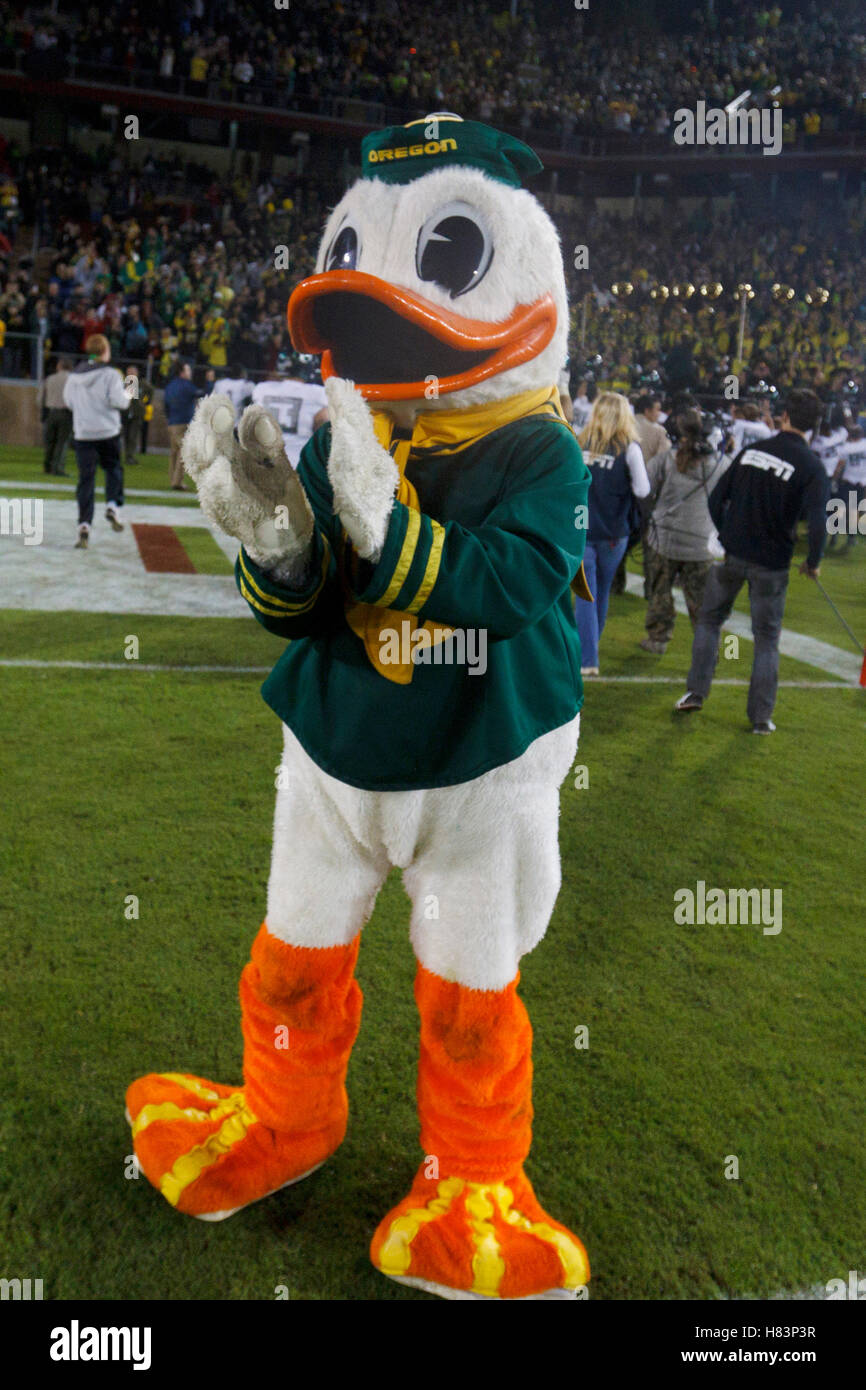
390	341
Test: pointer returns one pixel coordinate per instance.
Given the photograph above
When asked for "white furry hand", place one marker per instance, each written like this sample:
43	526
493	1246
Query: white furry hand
246	486
363	475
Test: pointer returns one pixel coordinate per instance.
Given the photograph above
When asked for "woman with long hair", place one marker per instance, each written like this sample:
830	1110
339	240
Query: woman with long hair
680	541
619	480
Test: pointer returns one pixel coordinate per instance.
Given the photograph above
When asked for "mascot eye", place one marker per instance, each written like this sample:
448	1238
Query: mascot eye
343	254
454	248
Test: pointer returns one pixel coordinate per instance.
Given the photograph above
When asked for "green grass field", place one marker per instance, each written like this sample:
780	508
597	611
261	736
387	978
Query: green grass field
23	464
704	1041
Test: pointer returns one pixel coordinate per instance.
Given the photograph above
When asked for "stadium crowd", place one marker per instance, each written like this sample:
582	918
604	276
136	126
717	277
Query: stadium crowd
554	68
171	263
165	260
661	292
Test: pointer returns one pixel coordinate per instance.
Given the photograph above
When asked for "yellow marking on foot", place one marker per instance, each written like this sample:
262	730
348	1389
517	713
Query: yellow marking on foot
395	1255
488	1266
191	1165
571	1256
169	1110
166	1110
190	1083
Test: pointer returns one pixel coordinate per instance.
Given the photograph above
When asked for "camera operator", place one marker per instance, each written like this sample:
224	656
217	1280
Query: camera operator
755	507
679	537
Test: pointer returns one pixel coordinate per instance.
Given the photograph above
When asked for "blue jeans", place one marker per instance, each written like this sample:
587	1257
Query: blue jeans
767	592
89	454
600	562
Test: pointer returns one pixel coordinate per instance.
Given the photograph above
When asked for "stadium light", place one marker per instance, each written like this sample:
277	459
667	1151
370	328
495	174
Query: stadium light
744	294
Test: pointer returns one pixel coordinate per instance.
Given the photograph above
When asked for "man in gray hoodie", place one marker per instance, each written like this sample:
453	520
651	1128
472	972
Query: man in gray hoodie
95	394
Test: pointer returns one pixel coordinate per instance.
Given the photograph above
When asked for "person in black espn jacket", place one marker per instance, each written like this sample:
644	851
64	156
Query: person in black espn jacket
755	507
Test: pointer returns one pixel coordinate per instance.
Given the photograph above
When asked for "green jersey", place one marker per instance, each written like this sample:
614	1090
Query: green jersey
491	555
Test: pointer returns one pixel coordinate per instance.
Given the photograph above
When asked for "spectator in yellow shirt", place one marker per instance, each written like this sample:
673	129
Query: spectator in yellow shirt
214	340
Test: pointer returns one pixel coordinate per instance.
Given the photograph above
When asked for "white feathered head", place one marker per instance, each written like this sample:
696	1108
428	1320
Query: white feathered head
439	279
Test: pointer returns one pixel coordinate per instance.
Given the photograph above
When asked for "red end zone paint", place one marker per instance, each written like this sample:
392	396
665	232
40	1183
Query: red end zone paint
160	550
863	670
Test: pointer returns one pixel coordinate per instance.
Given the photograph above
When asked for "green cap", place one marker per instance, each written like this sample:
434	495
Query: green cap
406	152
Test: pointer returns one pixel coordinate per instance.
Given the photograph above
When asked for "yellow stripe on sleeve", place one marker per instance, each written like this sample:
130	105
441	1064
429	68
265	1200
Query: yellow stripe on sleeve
283	607
431	573
278	612
404	564
276	607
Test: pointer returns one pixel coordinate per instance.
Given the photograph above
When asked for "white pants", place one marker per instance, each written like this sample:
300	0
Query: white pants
480	860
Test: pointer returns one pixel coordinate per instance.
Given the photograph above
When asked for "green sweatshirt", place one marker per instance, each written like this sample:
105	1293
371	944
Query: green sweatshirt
498	541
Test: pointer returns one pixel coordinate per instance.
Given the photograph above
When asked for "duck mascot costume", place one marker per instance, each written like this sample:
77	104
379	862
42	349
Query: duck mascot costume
419	566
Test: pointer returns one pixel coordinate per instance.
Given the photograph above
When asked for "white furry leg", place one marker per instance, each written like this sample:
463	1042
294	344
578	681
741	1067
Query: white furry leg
484	885
324	878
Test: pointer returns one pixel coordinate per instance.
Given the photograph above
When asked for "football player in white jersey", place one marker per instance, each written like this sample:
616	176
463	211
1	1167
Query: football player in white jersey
830	435
581	407
299	405
747	427
850	474
851	459
236	387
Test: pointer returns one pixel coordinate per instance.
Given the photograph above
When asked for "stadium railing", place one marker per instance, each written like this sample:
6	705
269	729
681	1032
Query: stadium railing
267	96
24	356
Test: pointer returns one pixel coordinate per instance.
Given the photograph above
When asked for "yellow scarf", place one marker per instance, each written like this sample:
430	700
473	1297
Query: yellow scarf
442	432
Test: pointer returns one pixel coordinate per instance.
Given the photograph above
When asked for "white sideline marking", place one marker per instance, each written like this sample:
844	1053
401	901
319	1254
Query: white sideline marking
109	577
33	664
807	649
128	666
726	680
69	488
817	1293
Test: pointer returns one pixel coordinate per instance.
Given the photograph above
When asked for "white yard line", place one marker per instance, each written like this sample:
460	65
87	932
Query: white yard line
817	1293
724	680
27	662
130	666
69	488
808	649
109	577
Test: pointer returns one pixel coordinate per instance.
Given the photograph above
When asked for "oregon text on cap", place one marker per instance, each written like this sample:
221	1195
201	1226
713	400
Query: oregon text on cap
404	151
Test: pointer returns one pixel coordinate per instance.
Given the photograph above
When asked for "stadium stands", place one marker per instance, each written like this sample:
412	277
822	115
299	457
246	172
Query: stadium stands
545	69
